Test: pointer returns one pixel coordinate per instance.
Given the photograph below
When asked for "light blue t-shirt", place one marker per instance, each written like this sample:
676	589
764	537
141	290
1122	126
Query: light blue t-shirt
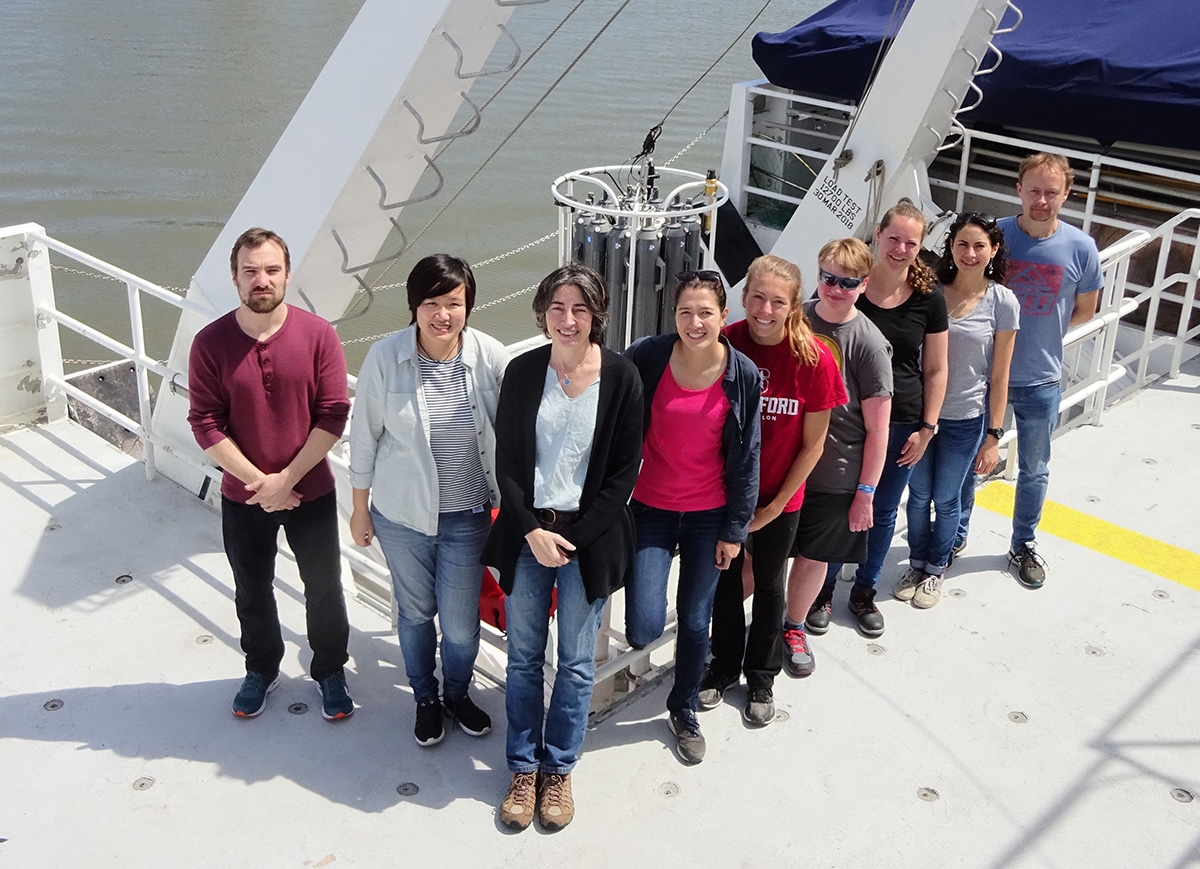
565	429
1046	274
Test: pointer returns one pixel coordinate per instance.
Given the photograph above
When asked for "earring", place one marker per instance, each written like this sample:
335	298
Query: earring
988	269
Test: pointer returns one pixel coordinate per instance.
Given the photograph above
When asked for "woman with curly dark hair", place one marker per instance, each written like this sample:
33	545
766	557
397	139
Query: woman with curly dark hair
984	317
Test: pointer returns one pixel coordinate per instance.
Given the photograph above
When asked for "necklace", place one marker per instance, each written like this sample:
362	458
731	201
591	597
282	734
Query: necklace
566	376
425	352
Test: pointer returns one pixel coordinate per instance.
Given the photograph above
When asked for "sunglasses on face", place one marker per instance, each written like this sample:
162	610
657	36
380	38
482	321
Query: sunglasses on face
831	280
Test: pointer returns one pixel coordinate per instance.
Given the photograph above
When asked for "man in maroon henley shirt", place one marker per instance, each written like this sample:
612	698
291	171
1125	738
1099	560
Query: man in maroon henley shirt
267	384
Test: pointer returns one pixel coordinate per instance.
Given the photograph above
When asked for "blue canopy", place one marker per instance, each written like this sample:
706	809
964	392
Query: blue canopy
1113	70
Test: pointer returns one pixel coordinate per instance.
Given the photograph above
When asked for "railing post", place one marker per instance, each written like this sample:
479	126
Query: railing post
143	381
30	352
735	167
1189	303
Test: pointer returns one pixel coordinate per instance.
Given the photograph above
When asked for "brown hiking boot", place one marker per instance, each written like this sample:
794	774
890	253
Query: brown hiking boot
516	811
556	806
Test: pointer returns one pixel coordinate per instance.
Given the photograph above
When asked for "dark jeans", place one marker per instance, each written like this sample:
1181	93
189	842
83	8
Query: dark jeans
760	654
250	534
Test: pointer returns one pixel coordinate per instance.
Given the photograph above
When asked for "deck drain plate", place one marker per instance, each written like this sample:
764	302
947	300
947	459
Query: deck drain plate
204	639
52	705
668	789
298	708
124	579
1160	594
875	649
1018	718
1094	651
143	784
781	715
408	789
1181	795
957	592
929	795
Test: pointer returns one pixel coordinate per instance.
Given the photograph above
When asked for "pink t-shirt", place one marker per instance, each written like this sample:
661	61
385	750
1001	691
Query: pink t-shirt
789	391
683	468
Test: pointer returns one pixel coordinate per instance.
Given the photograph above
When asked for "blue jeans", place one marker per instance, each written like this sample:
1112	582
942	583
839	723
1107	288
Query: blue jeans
1035	412
938	480
439	576
659	533
887	501
549	740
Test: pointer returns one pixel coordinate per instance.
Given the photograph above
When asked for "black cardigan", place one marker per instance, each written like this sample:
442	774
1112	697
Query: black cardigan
603	535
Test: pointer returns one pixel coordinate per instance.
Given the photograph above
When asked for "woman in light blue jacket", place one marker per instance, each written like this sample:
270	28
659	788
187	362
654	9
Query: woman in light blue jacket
422	467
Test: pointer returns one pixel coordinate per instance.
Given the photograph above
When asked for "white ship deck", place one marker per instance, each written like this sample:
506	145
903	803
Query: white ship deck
1103	664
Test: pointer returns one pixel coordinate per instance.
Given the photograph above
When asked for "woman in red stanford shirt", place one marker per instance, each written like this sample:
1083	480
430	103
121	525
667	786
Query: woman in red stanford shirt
801	384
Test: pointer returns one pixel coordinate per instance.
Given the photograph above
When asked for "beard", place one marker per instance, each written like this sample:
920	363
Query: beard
263	305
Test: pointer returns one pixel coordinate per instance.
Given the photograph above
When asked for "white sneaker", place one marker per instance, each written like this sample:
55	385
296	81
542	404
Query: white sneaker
928	593
906	587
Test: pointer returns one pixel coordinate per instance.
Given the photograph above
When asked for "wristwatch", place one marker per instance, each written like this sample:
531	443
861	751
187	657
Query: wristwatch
997	433
930	425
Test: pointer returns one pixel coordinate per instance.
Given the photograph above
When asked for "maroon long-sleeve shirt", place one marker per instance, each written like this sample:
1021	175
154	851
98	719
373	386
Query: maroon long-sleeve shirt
267	396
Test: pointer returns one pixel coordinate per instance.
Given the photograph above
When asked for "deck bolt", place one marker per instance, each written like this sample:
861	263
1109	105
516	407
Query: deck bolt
53	526
1149	462
957	592
124	578
1159	594
408	789
668	789
298	708
875	649
1018	718
1181	795
204	639
929	795
1094	651
52	705
143	784
1092	499
781	715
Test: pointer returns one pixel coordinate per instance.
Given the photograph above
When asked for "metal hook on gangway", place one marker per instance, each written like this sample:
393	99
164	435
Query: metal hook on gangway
469	75
387	206
470	127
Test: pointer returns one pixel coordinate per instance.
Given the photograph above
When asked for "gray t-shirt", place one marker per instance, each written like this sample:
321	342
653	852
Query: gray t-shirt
865	359
971	345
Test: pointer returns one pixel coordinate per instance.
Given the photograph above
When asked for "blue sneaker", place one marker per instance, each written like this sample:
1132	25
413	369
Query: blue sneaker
251	698
335	697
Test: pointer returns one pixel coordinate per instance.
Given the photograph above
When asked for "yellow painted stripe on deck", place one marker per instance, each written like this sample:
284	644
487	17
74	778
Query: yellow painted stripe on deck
1163	559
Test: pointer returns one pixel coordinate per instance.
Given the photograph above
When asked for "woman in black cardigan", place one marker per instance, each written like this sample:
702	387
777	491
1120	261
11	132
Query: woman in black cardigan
568	446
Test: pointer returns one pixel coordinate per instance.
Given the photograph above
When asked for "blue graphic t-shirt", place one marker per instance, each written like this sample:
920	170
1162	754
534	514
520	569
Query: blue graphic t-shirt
1046	274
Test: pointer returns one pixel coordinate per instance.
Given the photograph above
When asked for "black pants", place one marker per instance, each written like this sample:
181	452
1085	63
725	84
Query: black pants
250	534
759	656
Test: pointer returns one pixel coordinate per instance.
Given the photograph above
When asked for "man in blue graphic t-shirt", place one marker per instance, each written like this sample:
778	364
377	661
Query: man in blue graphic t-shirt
1054	269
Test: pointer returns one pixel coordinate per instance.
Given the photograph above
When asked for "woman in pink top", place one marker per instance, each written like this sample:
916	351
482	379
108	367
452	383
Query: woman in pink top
698	484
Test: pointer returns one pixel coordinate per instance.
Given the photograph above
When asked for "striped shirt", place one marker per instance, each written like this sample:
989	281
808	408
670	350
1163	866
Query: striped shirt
452	436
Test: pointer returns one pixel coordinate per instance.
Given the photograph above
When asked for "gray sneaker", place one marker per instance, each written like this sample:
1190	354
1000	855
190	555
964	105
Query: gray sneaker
713	687
760	707
928	593
797	656
1031	570
689	741
906	587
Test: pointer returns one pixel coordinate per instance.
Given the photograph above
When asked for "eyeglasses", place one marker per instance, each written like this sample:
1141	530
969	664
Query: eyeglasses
831	280
707	276
986	220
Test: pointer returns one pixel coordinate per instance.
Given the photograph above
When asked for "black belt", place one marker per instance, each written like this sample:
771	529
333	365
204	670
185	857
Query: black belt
555	520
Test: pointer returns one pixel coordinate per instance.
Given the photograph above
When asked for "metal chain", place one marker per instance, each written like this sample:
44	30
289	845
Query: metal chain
689	145
94	274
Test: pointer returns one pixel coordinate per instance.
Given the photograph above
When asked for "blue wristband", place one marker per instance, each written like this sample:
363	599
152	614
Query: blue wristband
863	487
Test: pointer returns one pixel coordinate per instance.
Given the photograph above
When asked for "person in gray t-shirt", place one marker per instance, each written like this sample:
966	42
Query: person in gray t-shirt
839	497
984	316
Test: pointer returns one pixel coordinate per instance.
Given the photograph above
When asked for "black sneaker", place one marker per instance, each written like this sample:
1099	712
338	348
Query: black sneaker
713	687
689	741
1031	570
862	605
472	720
251	698
820	614
428	729
335	697
760	707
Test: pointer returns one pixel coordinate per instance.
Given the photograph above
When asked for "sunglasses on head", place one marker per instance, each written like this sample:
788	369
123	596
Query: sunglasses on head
831	280
704	275
987	220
